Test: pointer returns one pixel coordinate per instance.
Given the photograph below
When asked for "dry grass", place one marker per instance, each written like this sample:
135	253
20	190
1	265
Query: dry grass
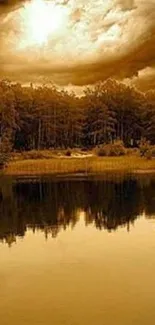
48	154
91	165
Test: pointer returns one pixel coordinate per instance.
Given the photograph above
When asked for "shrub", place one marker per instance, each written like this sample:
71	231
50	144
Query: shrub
33	154
148	154
153	151
4	159
132	151
5	152
84	149
68	153
144	146
115	149
101	152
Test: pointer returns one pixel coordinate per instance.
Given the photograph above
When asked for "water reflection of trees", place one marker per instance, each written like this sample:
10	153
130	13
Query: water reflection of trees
52	206
113	204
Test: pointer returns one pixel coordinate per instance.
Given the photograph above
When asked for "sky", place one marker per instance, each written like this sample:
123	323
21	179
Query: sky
75	43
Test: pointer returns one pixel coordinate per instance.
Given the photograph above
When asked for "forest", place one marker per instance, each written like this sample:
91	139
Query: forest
46	117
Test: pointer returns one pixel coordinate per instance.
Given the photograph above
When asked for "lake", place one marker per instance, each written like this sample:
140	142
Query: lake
77	251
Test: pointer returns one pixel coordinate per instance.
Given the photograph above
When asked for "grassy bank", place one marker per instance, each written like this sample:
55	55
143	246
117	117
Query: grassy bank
87	165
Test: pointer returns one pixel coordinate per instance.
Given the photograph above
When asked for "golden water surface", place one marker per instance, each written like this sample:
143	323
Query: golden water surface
82	276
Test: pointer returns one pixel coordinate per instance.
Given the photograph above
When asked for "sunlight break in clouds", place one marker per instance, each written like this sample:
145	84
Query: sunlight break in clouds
41	20
77	42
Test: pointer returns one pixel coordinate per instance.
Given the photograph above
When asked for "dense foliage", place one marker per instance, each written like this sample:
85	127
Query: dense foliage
111	149
45	117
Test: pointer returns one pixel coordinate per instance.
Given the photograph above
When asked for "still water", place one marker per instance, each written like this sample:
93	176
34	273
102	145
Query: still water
77	252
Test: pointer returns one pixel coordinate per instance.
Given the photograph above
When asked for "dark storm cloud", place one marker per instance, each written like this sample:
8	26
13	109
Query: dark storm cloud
9	5
112	38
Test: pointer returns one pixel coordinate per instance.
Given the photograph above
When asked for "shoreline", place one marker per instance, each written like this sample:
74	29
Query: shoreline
80	167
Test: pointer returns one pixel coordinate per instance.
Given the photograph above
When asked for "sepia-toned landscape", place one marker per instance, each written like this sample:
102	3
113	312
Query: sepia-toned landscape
77	162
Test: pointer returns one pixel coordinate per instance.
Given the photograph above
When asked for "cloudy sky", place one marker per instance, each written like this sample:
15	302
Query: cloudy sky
78	42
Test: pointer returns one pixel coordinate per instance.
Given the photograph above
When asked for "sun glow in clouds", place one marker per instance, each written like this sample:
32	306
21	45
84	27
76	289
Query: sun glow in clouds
42	20
75	41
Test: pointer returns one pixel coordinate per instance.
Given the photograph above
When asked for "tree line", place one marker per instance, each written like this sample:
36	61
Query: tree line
46	117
